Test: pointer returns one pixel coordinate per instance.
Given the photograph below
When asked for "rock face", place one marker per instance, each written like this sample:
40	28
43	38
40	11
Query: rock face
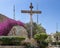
2	18
18	31
6	24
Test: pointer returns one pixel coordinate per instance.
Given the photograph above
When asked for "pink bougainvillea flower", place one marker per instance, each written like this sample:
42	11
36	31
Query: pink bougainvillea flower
6	26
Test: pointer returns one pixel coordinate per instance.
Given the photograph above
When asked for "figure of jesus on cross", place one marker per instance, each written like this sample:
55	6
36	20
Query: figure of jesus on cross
31	12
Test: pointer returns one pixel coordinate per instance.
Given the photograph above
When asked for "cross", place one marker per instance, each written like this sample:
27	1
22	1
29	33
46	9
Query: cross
31	12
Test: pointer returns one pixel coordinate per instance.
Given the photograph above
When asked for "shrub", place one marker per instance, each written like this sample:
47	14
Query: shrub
11	40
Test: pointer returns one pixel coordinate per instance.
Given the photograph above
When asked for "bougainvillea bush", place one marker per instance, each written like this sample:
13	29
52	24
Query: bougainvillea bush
6	26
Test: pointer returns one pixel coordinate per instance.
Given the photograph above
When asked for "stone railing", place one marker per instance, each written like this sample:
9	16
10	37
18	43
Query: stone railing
12	46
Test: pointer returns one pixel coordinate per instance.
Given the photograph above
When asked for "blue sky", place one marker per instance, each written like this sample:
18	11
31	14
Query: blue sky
50	12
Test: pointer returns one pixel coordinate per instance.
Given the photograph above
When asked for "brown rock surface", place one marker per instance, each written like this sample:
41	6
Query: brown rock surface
2	17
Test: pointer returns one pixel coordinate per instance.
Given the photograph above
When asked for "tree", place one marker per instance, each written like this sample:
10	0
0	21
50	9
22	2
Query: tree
41	39
40	28
37	28
41	36
54	39
57	36
49	39
39	33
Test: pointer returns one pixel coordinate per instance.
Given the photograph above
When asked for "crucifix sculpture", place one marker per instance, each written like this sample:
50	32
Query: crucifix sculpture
31	12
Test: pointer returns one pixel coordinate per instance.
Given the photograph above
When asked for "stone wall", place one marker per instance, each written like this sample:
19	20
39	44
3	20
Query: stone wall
12	46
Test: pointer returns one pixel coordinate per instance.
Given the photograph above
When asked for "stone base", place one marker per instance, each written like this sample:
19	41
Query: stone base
12	46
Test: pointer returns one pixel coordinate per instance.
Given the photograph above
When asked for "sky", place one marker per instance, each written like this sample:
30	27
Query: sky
49	18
